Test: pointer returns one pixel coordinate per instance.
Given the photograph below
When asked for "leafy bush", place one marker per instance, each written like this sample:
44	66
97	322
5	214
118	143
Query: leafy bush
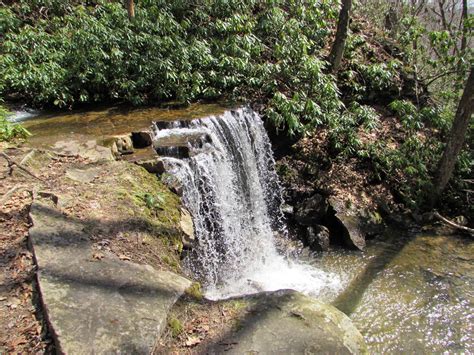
9	130
63	53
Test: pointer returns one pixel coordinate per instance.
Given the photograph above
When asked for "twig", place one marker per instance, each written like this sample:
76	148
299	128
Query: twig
12	164
452	224
9	194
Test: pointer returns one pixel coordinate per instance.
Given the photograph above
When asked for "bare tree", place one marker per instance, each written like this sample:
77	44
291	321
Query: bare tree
337	49
456	138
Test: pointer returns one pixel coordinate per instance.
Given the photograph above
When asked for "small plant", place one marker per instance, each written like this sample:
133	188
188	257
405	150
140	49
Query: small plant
9	130
152	202
175	326
195	291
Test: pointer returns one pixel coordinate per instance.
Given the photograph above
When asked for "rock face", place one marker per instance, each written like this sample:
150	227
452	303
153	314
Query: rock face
287	322
312	210
347	224
96	306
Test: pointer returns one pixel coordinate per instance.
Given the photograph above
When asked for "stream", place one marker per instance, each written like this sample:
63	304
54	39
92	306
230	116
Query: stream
405	293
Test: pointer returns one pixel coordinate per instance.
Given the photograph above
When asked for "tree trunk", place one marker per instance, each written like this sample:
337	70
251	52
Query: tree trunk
337	49
131	9
455	139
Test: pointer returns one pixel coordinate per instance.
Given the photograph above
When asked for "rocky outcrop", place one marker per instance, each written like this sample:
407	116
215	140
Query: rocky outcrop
312	210
96	305
287	322
325	221
347	223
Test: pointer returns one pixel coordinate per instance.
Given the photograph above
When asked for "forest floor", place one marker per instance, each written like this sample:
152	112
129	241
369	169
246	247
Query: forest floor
119	222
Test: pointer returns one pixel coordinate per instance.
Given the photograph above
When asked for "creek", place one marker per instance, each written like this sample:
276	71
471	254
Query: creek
406	293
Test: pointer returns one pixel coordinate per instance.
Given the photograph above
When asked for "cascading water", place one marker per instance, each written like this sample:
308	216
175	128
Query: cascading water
232	191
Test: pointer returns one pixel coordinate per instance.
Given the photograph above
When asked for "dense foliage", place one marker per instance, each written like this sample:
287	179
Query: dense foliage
65	52
172	50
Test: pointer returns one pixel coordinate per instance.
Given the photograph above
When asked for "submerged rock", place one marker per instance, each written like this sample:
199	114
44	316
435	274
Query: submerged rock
287	322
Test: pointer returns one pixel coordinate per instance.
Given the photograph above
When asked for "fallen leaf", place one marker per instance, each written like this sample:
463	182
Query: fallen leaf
124	257
192	341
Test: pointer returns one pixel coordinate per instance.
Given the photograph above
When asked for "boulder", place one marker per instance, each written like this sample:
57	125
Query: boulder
317	237
347	224
312	210
105	306
287	322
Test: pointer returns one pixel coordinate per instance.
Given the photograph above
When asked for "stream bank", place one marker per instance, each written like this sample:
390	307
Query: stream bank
404	287
95	222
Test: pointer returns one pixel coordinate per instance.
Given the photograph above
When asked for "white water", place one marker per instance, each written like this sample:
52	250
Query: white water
231	189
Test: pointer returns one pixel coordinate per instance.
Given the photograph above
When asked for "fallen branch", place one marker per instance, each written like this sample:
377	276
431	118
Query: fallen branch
12	164
452	224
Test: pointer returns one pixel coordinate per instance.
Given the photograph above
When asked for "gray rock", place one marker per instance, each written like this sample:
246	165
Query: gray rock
312	210
348	223
153	166
96	306
187	226
87	149
179	137
287	322
83	175
318	237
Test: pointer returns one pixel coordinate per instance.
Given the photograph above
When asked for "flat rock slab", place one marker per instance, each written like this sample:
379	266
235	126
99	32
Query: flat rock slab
83	175
97	306
86	148
287	322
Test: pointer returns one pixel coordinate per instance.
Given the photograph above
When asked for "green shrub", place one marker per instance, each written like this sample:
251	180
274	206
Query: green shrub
62	53
9	130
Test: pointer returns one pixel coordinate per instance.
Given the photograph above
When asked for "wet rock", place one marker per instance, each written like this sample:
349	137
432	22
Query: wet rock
106	306
153	166
347	224
312	210
173	183
187	226
318	237
175	152
181	137
287	209
287	322
141	139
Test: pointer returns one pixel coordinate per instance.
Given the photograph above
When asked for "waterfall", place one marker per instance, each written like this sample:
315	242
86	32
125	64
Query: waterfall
226	168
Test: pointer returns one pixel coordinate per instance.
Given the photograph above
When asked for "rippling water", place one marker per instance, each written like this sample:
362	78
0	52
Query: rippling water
408	294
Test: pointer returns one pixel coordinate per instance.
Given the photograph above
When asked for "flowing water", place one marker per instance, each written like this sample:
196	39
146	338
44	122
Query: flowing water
231	189
408	294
